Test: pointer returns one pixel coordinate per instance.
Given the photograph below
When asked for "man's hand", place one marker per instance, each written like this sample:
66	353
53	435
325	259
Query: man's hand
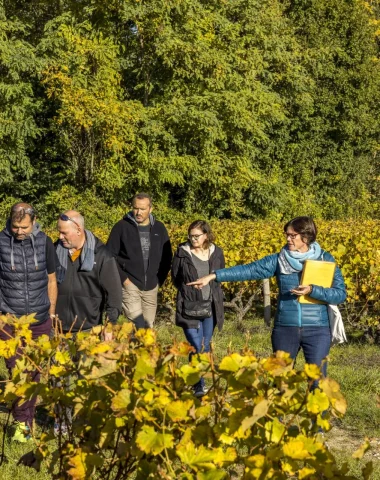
202	282
126	282
302	290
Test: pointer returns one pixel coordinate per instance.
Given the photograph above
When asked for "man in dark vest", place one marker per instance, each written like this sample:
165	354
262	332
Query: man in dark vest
27	285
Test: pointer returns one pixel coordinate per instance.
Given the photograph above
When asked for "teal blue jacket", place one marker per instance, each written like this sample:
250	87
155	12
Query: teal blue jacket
290	312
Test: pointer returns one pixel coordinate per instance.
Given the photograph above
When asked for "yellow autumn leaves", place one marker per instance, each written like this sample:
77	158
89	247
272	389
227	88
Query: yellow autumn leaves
133	410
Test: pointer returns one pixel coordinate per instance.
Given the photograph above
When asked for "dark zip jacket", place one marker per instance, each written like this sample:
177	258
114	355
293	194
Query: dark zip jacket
23	275
184	271
124	244
86	295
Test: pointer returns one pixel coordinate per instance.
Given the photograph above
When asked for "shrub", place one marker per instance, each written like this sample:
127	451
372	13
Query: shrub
134	412
354	244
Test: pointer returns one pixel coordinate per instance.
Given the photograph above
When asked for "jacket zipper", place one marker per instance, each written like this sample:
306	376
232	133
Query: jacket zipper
299	309
150	239
71	266
25	278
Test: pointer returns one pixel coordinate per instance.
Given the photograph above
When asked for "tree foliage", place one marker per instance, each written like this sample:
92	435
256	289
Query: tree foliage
241	108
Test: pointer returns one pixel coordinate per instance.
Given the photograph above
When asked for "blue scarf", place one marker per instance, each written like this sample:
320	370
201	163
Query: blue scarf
87	257
292	262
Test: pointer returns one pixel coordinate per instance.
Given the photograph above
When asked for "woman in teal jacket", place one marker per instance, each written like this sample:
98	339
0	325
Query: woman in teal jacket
297	325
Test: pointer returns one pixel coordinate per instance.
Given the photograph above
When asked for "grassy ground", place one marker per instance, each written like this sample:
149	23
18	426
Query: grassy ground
355	366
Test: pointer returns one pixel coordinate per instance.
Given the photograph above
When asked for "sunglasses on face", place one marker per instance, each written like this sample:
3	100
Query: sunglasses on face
66	218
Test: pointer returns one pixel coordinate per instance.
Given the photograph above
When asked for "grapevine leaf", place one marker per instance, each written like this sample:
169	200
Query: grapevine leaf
121	401
359	453
317	401
178	410
150	441
312	371
213	475
295	449
197	457
274	430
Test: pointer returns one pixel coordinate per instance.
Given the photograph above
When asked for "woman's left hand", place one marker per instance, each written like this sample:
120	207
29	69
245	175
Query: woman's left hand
302	290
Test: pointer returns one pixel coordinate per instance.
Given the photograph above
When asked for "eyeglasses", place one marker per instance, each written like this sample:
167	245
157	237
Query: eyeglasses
291	235
66	218
196	237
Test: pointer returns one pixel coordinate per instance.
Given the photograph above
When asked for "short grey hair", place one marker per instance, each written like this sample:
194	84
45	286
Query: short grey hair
78	218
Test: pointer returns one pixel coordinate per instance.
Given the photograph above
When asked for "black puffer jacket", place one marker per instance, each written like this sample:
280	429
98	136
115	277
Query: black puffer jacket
23	274
184	271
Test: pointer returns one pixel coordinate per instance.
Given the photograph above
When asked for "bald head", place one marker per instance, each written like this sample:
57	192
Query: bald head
76	216
71	230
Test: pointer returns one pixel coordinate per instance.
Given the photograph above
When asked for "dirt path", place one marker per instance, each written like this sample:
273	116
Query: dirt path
345	441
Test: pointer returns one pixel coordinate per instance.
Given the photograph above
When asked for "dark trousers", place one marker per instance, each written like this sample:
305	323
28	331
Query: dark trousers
314	341
200	338
25	412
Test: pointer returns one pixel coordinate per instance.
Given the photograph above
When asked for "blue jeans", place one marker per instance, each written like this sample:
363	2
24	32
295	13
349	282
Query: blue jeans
200	339
314	341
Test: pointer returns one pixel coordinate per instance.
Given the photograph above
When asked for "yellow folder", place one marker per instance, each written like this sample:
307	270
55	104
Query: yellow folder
317	272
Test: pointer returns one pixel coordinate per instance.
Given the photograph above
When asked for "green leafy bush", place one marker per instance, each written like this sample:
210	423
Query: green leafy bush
134	412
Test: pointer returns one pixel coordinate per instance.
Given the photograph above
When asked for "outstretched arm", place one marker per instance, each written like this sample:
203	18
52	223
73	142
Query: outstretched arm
202	282
263	268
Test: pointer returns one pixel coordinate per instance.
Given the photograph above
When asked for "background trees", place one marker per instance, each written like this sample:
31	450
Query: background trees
235	109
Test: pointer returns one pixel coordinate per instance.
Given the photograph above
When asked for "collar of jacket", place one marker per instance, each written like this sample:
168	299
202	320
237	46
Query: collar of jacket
184	249
131	219
98	244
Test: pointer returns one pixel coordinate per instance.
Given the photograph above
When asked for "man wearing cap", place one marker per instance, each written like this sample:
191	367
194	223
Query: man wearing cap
27	285
142	248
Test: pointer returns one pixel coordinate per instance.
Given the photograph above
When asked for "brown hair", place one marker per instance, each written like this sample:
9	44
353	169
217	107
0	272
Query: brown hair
205	228
305	226
142	196
20	210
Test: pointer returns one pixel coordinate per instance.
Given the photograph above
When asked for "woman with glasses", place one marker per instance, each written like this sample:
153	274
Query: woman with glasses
297	325
198	311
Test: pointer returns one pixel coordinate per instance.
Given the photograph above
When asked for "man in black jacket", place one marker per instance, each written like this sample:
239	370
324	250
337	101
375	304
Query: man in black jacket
143	252
87	275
